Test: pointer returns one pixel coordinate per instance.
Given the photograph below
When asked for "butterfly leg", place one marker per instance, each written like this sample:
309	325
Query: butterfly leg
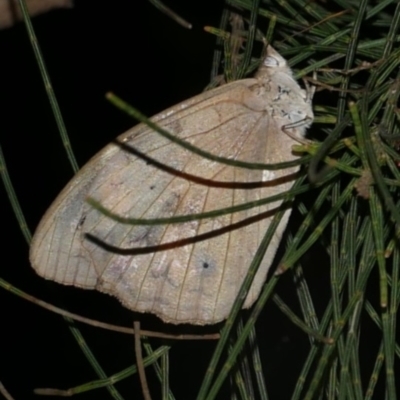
292	130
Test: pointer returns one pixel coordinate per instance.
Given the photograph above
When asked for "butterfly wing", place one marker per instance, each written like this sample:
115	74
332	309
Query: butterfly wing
184	273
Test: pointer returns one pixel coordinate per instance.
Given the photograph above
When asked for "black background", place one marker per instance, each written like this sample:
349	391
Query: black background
130	48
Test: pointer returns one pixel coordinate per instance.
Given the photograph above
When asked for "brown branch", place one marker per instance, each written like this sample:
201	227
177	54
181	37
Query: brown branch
139	362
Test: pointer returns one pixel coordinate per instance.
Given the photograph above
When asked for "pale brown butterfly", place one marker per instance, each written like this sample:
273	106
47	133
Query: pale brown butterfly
189	272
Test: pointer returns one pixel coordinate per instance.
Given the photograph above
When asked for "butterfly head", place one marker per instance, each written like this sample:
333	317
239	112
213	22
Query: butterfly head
273	63
273	59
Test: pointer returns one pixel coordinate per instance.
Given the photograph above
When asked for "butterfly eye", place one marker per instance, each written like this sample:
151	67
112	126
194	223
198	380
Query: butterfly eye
271	62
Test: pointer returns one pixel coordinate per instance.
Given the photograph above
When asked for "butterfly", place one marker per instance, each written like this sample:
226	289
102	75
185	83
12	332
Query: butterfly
187	272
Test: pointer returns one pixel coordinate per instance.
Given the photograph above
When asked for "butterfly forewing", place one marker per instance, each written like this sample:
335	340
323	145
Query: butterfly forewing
188	272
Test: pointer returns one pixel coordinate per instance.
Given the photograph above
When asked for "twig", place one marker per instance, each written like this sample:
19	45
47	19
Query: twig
139	362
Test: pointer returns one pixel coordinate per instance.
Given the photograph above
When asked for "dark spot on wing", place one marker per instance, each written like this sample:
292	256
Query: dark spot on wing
174	127
81	221
205	264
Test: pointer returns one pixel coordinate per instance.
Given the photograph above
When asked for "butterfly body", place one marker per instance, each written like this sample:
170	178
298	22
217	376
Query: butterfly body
188	272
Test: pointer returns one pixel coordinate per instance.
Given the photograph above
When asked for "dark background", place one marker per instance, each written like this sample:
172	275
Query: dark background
130	48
